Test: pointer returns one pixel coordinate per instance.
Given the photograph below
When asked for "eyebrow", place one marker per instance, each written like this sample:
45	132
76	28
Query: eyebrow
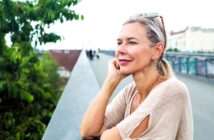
129	38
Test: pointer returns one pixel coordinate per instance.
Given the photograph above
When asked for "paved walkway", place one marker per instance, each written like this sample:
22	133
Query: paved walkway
202	97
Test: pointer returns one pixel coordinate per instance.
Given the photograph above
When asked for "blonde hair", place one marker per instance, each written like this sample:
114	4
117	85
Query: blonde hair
166	69
156	34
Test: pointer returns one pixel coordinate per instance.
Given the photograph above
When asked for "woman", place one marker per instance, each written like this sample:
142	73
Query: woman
156	105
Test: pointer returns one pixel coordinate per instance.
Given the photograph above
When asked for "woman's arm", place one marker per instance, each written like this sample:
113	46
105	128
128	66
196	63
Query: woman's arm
93	120
113	133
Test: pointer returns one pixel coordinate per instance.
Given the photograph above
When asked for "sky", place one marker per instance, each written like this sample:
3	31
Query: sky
104	18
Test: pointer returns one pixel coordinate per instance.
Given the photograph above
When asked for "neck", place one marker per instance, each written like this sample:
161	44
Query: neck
145	81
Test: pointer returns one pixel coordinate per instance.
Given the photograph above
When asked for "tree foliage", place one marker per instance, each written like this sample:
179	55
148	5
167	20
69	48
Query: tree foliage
173	50
29	89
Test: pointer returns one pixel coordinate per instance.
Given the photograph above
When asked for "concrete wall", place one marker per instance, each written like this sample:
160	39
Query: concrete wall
78	93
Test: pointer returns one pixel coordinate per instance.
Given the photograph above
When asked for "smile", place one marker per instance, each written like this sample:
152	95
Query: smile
124	62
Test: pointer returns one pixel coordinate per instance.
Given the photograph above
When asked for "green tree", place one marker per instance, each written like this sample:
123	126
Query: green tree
50	67
172	50
27	93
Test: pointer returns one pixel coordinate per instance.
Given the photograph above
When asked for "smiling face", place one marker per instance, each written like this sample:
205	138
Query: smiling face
134	52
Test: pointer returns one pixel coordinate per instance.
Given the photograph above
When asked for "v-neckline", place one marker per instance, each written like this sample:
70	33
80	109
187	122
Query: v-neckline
130	106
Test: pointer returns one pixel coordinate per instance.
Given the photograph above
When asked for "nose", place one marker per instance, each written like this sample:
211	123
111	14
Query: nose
121	49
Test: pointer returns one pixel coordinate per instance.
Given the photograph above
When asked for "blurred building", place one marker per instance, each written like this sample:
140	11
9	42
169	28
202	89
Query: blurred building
66	60
194	39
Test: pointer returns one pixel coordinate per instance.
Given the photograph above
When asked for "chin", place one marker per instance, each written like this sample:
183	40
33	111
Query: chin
125	72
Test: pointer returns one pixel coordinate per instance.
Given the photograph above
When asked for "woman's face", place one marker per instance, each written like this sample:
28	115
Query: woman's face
134	52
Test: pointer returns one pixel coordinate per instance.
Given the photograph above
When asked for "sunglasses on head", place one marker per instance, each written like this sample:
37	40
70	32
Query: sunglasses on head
154	15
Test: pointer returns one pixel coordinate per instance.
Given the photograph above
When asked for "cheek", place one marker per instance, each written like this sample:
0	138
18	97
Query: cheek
143	52
143	55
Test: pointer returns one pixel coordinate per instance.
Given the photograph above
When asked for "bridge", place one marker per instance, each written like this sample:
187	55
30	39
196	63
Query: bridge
84	83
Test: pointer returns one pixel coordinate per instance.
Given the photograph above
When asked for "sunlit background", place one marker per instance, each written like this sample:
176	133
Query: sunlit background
103	19
67	79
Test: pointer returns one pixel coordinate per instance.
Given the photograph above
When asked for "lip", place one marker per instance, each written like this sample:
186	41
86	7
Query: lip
124	62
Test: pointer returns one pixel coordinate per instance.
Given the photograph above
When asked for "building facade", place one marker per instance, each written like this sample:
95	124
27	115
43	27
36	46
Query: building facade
194	39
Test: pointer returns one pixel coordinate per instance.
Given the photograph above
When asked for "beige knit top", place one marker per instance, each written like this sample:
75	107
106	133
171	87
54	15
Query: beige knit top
168	106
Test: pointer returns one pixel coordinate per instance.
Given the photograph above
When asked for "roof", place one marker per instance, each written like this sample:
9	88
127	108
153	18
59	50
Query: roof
178	32
193	29
66	58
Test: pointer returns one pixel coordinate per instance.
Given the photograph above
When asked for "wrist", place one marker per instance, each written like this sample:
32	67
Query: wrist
108	87
113	80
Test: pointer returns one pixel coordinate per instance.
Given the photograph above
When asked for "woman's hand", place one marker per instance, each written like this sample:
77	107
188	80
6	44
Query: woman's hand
114	73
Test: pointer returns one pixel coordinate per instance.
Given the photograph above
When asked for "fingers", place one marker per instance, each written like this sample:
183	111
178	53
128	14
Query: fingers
113	67
115	63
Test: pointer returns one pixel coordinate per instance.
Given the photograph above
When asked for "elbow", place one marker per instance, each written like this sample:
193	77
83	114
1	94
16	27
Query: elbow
86	134
83	133
89	131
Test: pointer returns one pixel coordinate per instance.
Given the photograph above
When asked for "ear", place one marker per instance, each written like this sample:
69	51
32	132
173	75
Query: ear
158	50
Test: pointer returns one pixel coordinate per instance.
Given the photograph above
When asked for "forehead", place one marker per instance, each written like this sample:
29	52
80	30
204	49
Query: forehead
135	29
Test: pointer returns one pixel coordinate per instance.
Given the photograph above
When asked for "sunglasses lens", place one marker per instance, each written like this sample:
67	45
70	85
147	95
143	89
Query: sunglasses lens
151	15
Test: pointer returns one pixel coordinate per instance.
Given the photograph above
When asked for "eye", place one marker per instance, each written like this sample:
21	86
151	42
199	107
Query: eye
119	43
132	42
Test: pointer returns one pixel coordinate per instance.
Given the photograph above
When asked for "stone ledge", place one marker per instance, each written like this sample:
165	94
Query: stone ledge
78	93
